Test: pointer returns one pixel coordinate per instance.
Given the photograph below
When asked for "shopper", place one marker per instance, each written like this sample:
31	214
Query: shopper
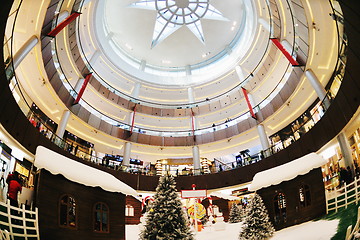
2	178
14	189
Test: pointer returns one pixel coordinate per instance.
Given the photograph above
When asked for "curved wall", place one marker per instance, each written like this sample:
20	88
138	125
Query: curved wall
338	115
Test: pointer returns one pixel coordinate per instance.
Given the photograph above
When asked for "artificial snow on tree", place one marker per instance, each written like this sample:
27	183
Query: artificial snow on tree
166	219
257	224
235	214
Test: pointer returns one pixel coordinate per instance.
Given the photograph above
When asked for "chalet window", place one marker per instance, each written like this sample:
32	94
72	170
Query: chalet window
67	212
304	196
129	211
280	208
101	218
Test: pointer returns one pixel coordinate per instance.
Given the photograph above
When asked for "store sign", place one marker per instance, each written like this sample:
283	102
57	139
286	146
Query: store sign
193	193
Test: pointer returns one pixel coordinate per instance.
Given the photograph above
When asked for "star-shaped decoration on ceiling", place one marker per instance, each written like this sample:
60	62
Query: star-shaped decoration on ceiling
174	14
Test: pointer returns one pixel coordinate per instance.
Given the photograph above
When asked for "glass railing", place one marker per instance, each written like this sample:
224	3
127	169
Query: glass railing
306	124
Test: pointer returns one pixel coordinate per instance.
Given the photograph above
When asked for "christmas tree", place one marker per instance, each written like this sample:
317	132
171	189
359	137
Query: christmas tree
166	219
235	214
257	225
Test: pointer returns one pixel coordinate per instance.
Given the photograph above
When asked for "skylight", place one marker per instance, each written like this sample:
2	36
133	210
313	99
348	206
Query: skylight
174	14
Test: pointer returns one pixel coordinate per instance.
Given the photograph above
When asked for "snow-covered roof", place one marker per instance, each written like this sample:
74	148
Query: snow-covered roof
286	171
224	196
78	172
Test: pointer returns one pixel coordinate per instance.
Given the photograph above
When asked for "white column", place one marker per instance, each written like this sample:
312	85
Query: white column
253	104
131	116
345	150
62	124
240	73
62	16
78	84
263	137
126	155
24	50
136	90
94	57
288	47
196	159
110	35
191	97
318	87
266	25
142	65
188	70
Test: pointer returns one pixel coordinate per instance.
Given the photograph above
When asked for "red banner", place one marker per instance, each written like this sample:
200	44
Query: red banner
63	24
81	92
248	102
193	121
133	119
283	50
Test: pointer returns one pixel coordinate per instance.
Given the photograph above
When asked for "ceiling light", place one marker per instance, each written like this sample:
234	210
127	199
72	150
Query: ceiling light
166	61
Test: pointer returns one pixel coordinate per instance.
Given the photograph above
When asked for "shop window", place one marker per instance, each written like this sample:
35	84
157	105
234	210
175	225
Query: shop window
280	208
129	211
101	218
304	196
67	212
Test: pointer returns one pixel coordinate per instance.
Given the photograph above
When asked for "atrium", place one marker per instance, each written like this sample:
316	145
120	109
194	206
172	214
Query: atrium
101	97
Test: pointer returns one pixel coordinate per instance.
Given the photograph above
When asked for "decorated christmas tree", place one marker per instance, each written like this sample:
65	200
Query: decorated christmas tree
235	214
257	225
166	218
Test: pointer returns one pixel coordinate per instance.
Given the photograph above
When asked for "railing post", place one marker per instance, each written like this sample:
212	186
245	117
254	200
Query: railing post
348	232
23	219
356	190
327	206
336	204
345	192
9	219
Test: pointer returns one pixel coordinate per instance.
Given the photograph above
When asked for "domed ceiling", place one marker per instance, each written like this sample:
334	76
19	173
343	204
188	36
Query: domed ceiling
171	44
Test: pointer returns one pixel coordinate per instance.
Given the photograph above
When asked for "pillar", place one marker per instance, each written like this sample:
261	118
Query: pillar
240	73
78	84
136	90
288	47
196	160
253	104
62	16
318	87
126	155
94	57
345	150
142	65
266	25
263	137
188	70
24	50
62	124
191	97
